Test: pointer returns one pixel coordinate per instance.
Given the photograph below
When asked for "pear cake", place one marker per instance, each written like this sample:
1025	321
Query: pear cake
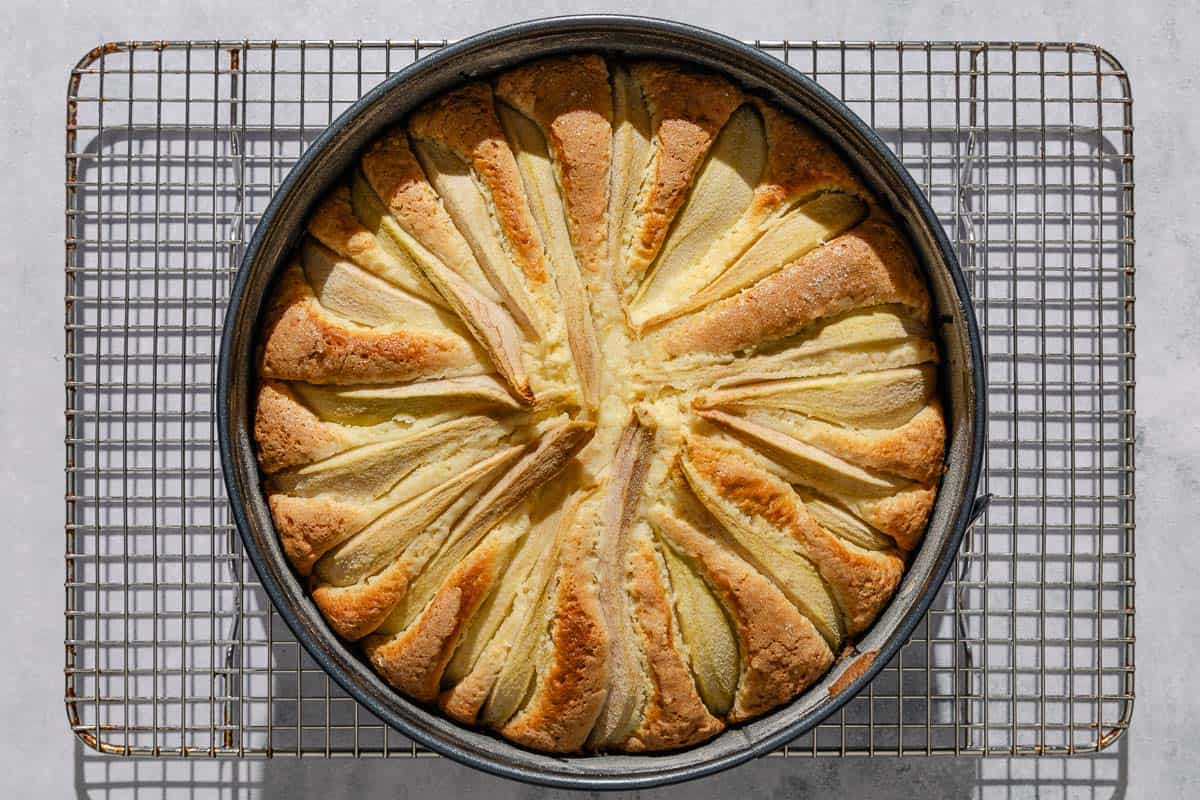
599	406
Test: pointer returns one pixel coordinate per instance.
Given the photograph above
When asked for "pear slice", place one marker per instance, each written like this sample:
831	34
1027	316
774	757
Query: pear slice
463	198
711	645
871	326
515	679
687	109
630	162
382	541
290	434
801	463
722	191
800	362
617	508
799	232
368	472
537	467
348	290
414	659
773	552
859	341
840	522
372	405
477	665
895	506
533	469
883	399
762	616
491	325
526	628
395	177
340	224
483	628
546	203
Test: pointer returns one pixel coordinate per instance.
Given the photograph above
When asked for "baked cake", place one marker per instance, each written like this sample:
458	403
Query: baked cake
599	406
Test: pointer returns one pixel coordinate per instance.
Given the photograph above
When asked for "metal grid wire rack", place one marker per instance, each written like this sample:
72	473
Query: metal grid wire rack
173	149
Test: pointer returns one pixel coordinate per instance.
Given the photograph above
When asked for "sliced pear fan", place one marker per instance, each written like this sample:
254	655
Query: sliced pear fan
897	507
371	405
773	552
801	463
492	326
494	659
687	111
343	225
524	633
474	218
415	658
743	488
711	645
395	178
615	511
722	191
882	399
289	434
877	338
383	540
357	295
841	522
546	203
630	161
799	232
478	636
762	616
798	362
368	472
534	468
516	679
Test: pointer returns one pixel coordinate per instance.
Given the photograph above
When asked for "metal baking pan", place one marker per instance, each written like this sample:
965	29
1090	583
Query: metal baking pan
334	152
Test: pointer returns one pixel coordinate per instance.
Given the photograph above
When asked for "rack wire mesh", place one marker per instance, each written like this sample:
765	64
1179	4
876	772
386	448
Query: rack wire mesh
173	150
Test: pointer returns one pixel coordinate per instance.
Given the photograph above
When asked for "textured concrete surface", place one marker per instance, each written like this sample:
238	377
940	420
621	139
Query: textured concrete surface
1156	42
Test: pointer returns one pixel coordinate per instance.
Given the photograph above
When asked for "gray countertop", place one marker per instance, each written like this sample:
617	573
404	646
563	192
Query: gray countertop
40	758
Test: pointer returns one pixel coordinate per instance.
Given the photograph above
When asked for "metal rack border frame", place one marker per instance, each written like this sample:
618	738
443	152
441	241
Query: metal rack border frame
231	62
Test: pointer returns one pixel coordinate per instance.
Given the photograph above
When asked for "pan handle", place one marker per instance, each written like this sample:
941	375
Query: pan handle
978	507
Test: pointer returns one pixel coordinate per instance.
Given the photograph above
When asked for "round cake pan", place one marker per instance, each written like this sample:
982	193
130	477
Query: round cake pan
479	56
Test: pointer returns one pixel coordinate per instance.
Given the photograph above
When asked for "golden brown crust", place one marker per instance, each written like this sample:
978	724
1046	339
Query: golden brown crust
334	225
853	672
688	110
571	691
287	432
465	122
413	660
914	450
782	653
800	163
674	715
309	527
871	265
302	342
356	610
861	581
396	176
571	100
902	516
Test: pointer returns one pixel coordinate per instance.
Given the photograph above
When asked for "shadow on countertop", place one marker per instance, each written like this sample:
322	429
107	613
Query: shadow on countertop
1098	777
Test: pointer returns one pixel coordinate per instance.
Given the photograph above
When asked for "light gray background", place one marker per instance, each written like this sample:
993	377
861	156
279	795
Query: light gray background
1156	42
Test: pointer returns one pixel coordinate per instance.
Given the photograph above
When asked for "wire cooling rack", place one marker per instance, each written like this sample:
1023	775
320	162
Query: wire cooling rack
173	150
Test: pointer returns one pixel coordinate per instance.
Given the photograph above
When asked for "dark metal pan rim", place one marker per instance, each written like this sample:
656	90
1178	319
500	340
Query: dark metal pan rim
328	157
